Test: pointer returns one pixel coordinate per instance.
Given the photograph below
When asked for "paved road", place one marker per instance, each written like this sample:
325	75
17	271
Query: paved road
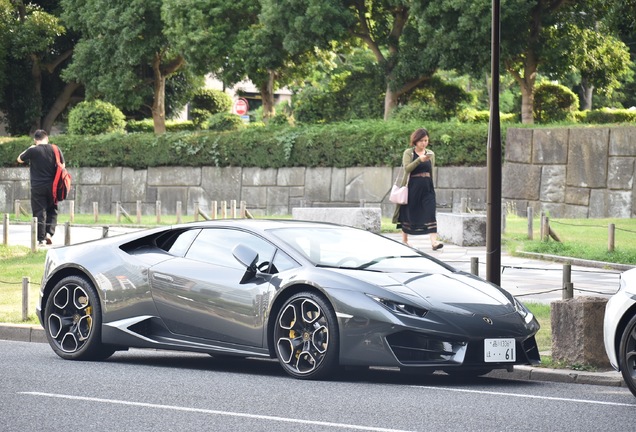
146	390
529	279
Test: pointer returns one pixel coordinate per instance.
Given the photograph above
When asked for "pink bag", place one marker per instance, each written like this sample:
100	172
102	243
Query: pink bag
399	195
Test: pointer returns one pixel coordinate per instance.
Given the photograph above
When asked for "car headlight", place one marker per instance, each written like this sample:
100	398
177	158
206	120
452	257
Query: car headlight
401	308
523	311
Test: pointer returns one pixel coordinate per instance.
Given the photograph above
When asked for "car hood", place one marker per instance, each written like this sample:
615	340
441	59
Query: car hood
458	293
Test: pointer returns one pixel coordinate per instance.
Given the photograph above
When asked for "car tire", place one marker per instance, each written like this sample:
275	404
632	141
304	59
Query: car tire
73	321
627	355
306	336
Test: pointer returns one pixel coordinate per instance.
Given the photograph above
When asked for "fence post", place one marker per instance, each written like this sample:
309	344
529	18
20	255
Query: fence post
16	208
196	211
96	211
223	209
158	210
242	210
67	233
568	287
34	234
138	209
5	230
503	218
233	209
71	210
104	231
530	222
118	212
25	298
611	237
474	266
179	210
546	229
214	210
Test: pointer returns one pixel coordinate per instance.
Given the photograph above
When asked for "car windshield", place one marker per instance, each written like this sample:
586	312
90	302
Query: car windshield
344	247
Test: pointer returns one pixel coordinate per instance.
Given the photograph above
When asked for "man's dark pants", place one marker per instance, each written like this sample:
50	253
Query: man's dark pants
44	209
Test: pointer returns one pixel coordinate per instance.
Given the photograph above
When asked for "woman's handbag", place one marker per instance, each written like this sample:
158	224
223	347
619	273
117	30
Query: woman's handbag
399	194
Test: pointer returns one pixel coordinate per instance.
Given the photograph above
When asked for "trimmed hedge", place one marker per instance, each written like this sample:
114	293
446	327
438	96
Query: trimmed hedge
359	143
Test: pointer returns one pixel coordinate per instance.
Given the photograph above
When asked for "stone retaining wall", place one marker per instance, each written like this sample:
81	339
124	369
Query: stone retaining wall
578	172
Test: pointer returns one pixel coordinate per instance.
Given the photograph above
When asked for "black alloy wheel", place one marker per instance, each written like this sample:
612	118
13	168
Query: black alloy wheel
306	336
627	355
73	319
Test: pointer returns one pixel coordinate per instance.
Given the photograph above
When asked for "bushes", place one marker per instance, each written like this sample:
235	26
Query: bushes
553	103
94	118
609	115
208	102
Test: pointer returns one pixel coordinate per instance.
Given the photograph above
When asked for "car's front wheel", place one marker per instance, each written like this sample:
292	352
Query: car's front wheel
306	336
73	319
627	355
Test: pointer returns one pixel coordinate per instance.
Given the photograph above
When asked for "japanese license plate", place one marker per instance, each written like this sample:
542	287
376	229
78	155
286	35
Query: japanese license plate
499	350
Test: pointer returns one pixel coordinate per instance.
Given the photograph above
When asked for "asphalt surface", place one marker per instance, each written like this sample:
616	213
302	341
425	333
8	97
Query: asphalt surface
530	278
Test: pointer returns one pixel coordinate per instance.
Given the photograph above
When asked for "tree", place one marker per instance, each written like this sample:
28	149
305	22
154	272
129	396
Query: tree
526	32
385	27
123	56
35	47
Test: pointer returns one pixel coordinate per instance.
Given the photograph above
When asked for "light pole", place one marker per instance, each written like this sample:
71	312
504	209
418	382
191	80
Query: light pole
493	199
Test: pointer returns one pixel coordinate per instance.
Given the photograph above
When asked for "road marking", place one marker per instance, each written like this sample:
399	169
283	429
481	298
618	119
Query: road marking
214	412
526	396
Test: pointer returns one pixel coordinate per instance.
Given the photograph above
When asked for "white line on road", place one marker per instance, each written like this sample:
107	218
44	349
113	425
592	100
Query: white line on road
526	396
214	412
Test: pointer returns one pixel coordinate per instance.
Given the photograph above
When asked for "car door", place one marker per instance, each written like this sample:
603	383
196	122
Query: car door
202	293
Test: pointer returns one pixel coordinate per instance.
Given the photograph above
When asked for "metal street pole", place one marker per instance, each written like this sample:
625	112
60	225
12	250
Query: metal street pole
493	199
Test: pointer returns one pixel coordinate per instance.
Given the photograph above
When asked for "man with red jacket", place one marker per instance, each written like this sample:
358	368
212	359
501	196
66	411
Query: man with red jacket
42	168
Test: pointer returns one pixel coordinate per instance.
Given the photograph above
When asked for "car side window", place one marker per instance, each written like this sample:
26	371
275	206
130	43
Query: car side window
215	245
282	262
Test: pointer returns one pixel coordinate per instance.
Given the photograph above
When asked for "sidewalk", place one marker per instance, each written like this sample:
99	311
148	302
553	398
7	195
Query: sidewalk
528	278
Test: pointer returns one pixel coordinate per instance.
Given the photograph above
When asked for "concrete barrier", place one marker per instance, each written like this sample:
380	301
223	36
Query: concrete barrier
462	229
368	218
577	331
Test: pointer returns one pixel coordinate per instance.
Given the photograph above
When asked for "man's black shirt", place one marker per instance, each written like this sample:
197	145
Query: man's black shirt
42	166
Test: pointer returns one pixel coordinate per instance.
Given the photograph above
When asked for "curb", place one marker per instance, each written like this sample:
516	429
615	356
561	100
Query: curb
35	333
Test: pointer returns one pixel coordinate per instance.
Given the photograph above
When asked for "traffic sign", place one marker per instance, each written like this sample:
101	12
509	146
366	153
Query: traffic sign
241	107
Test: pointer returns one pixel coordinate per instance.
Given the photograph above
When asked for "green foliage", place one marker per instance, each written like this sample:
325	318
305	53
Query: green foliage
553	103
212	101
94	118
224	122
280	119
313	105
147	125
345	144
609	115
477	116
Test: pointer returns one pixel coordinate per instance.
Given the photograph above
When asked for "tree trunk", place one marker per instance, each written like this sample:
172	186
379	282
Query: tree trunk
36	75
267	96
587	91
159	99
527	104
390	101
63	100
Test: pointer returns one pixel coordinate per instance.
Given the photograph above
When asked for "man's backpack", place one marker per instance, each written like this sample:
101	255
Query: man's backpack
62	179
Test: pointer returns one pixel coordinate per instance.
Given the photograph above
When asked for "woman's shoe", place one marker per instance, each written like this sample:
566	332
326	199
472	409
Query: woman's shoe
438	246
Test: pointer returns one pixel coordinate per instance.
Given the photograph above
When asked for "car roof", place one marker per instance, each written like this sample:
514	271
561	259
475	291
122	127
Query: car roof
258	224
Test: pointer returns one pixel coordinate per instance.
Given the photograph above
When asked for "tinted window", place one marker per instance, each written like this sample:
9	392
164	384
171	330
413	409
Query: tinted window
215	246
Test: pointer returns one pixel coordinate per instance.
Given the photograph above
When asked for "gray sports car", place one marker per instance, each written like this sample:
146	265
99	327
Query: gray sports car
315	296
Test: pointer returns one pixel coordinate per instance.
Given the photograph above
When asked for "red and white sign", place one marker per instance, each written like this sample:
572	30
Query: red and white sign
241	107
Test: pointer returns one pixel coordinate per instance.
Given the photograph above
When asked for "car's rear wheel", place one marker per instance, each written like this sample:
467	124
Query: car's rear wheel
627	355
306	336
73	319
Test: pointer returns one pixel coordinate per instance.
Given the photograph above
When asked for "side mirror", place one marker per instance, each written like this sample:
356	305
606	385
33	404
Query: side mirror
248	257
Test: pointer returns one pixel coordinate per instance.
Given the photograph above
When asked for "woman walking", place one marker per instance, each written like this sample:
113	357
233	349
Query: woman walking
418	216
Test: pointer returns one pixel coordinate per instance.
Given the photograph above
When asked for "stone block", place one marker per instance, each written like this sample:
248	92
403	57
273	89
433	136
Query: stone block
522	181
318	185
577	196
174	176
367	218
135	185
259	177
519	145
462	229
368	184
552	183
291	176
604	202
462	178
587	157
577	331
223	183
338	184
550	146
621	173
622	141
